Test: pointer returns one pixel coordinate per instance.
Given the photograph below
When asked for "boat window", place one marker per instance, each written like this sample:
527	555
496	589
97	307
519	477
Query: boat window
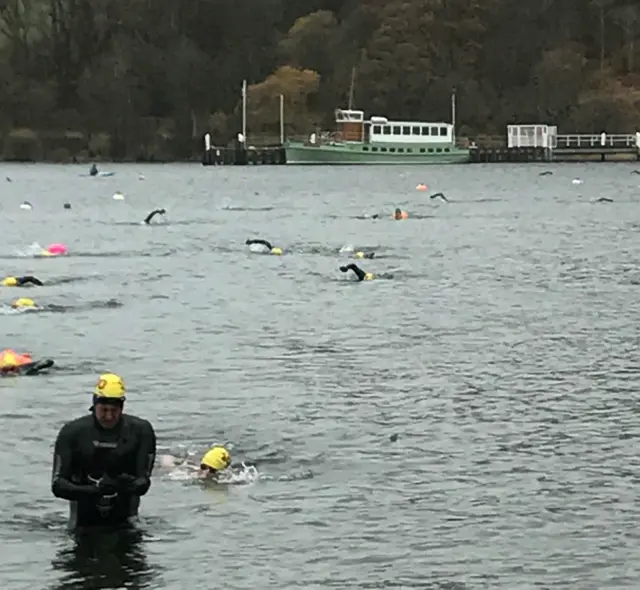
406	130
374	149
400	150
434	130
422	150
396	129
365	149
409	150
447	149
430	150
443	131
383	149
438	150
425	130
392	149
415	130
386	130
376	130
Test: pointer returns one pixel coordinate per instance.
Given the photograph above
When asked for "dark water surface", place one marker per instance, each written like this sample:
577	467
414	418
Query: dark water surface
503	353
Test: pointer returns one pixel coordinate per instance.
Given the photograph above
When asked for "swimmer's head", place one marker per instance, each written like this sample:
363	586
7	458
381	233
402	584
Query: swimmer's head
368	255
400	214
214	460
108	399
9	282
67	205
369	276
277	251
359	255
24	303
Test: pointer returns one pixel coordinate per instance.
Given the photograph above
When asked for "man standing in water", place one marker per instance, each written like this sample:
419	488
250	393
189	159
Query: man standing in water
103	462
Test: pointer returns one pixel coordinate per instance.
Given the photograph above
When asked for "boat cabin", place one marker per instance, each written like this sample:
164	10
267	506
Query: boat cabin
351	126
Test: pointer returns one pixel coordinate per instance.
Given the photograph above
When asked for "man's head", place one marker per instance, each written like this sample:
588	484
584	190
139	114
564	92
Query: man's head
108	400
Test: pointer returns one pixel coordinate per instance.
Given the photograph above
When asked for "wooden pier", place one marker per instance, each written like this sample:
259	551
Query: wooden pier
542	143
220	156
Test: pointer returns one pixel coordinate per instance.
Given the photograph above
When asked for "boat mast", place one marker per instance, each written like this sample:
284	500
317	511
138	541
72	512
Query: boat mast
352	86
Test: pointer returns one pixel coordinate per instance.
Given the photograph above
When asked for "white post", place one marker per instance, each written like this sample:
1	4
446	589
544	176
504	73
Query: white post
638	139
244	110
453	113
282	119
207	141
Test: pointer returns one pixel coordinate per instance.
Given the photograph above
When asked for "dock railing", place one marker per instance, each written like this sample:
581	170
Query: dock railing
599	140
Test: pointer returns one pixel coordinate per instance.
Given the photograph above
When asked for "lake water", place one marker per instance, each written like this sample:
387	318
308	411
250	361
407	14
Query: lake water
470	423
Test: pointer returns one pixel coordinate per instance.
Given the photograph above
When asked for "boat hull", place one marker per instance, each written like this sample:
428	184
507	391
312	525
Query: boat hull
301	153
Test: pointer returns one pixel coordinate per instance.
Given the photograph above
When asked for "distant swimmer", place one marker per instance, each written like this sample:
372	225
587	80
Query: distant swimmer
153	213
21	281
360	274
94	170
635	172
13	363
400	214
439	195
362	255
546	173
604	200
67	205
24	303
267	246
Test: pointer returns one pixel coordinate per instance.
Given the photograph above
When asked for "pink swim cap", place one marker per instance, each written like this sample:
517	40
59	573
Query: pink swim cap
57	249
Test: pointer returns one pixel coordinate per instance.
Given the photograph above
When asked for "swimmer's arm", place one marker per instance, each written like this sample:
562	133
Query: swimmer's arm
146	459
32	280
356	269
263	242
61	484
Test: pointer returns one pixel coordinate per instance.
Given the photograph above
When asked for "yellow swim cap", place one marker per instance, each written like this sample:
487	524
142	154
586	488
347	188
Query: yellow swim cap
9	282
110	386
369	276
276	250
359	254
217	458
23	302
46	253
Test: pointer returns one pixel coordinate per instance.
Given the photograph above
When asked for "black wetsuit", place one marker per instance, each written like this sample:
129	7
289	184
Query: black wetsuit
94	170
153	213
356	269
103	472
28	280
27	369
263	242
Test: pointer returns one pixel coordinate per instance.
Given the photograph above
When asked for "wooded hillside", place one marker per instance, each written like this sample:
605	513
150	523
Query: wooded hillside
146	78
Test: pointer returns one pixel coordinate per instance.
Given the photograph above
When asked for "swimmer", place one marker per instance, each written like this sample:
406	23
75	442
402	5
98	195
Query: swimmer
439	195
94	170
24	303
400	214
267	245
153	213
361	255
213	464
360	274
21	281
67	205
14	364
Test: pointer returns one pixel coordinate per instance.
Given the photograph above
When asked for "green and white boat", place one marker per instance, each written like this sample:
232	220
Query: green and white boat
378	141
